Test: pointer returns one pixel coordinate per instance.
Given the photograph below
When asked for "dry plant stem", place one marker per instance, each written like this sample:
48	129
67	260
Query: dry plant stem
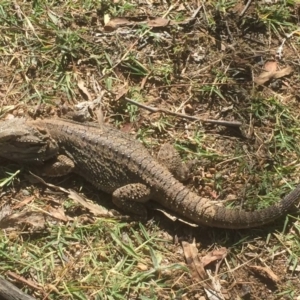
216	122
196	12
245	8
23	280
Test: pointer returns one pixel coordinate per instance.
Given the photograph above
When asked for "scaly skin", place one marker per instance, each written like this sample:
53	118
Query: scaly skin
117	164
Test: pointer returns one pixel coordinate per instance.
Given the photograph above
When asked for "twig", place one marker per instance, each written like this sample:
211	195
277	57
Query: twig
196	12
216	122
245	8
23	280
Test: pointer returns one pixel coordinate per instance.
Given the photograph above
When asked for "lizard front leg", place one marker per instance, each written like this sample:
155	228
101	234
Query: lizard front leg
131	198
59	166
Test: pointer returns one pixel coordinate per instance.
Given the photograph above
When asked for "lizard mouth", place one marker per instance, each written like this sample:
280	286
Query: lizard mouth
29	152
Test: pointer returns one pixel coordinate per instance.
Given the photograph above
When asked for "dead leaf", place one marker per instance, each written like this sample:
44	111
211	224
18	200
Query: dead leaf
95	209
24	202
270	66
181	7
265	271
194	263
214	255
33	219
115	23
210	283
283	72
57	213
127	127
268	75
263	77
5	211
81	85
158	22
122	91
213	295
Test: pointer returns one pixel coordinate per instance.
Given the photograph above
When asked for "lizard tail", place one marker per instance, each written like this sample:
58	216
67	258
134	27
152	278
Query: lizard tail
204	212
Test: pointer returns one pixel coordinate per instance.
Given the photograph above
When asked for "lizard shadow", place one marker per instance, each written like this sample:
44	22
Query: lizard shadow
178	230
208	236
181	231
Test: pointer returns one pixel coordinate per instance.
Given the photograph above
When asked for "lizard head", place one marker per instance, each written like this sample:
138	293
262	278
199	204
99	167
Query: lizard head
21	142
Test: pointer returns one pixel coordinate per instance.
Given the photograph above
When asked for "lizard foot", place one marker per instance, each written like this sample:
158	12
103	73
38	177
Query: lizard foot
170	158
131	198
58	166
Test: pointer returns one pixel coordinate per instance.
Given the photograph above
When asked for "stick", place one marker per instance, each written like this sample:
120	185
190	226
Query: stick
245	8
216	122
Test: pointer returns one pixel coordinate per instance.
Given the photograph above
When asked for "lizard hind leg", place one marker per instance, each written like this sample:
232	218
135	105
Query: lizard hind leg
170	158
131	198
